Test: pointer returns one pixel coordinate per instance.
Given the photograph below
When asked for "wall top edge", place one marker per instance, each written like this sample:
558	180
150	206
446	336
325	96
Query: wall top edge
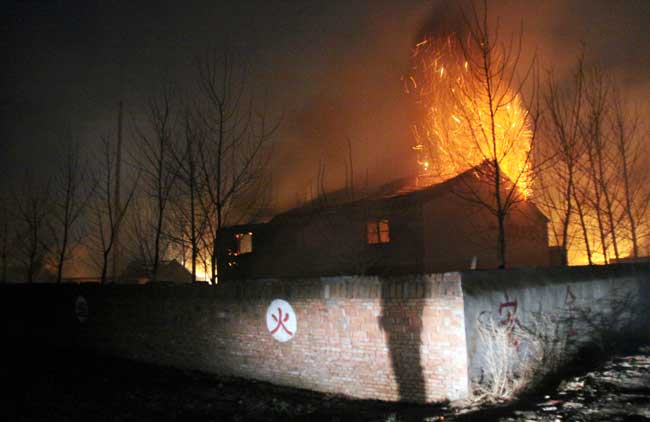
474	282
417	286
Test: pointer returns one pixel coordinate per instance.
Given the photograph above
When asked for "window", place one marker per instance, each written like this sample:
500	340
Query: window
244	243
378	231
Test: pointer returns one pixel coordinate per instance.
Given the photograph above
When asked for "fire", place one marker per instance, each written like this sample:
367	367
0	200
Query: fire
578	255
202	271
455	133
203	267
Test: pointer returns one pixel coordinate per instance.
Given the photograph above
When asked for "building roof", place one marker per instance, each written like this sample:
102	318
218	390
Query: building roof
170	270
413	186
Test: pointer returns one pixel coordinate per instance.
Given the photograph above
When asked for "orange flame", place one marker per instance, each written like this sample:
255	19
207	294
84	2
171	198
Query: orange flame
455	132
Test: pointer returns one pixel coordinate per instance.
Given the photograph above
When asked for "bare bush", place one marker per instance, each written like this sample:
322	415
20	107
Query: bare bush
609	323
518	351
503	363
516	355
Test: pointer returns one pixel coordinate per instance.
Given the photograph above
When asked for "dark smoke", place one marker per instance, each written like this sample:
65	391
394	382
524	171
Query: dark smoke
443	20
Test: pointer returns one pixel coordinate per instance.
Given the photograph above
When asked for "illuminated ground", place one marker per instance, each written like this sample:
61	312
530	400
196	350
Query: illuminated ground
57	387
72	387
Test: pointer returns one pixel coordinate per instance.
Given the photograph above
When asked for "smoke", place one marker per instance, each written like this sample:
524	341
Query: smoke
358	97
332	69
443	20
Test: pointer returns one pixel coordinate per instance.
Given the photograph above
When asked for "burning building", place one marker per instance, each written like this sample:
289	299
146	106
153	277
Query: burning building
407	226
469	207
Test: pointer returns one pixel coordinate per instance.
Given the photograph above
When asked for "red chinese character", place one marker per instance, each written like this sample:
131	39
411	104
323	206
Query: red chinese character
509	315
569	298
510	319
280	322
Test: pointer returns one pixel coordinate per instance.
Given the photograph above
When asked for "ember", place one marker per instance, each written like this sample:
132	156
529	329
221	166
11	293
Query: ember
455	131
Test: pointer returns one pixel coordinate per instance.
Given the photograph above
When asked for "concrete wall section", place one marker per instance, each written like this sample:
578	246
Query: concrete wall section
575	301
368	337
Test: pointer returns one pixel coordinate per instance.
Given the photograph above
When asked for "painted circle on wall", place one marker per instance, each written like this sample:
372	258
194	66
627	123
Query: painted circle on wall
281	320
81	309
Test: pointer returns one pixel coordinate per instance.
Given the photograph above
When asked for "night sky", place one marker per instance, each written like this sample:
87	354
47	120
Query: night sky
331	68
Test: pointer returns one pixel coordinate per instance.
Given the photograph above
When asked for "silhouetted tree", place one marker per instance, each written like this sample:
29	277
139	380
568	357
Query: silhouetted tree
597	165
564	148
7	236
234	154
474	116
190	222
155	161
595	149
70	196
106	219
32	208
629	152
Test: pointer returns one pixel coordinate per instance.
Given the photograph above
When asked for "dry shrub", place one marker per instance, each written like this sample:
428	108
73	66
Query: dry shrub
517	354
519	351
610	322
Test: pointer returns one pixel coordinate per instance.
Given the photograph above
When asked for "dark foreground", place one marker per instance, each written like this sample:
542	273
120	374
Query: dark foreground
48	386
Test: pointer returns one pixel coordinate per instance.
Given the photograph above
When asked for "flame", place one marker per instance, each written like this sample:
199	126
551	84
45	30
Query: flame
455	132
577	252
459	128
202	271
203	267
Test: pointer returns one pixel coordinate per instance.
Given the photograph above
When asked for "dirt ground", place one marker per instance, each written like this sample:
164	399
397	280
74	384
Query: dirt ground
49	386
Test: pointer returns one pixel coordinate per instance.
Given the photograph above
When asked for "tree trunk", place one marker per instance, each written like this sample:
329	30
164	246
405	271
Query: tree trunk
567	220
104	267
583	225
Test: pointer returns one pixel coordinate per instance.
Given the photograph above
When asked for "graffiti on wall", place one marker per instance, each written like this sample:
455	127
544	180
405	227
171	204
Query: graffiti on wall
507	311
508	315
569	303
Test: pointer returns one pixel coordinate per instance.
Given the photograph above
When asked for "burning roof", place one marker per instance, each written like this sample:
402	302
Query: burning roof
407	186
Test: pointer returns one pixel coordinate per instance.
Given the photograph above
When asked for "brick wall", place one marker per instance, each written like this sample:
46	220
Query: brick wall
381	338
410	338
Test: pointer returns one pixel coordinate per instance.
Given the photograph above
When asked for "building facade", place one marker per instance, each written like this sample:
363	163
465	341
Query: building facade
403	228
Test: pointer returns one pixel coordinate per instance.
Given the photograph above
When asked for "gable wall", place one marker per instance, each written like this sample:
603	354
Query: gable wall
457	230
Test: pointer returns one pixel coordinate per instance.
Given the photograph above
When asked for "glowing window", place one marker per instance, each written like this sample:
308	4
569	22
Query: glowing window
244	243
378	231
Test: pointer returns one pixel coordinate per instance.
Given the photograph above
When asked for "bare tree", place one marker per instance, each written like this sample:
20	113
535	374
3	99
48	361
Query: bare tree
139	230
7	237
564	147
596	149
32	211
71	194
474	116
628	153
597	144
233	156
106	218
155	160
186	208
580	200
